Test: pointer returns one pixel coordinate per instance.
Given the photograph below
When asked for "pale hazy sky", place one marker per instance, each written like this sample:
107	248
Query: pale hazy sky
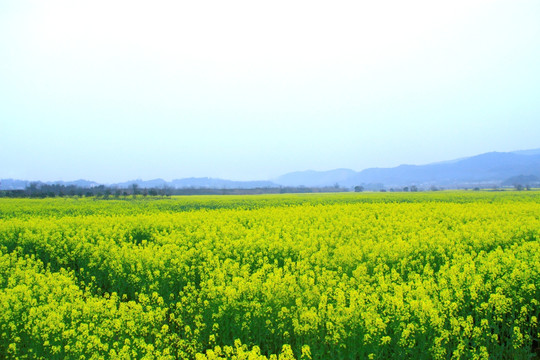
118	90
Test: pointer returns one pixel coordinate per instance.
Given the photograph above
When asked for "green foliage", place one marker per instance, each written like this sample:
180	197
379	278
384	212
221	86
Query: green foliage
436	275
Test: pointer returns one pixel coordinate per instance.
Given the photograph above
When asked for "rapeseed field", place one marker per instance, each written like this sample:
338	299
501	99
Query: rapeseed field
439	275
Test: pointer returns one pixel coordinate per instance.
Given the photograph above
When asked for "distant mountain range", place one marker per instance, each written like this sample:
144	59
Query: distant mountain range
489	169
202	182
493	168
13	184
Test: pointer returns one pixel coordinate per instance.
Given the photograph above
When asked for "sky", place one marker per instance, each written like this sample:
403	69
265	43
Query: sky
116	90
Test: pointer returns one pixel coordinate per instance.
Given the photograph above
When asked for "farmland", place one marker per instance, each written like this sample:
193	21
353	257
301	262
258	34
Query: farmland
441	275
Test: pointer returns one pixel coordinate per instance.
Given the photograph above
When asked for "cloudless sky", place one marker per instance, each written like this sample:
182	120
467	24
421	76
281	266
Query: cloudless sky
117	90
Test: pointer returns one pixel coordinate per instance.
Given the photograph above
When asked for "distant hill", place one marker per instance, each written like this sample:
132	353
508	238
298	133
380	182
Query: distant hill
490	168
154	183
522	180
220	183
209	183
316	178
14	184
80	183
493	167
202	182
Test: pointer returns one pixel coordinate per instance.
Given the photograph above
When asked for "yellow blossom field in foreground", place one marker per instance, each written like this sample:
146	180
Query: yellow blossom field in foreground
439	275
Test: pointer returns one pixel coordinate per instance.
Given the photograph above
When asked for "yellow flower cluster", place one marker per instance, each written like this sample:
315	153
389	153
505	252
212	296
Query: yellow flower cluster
445	275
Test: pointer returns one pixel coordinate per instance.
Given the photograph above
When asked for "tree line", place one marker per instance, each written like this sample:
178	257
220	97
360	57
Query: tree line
41	190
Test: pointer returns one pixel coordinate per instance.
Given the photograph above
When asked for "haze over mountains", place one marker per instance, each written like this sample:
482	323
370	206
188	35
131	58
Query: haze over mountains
492	168
488	169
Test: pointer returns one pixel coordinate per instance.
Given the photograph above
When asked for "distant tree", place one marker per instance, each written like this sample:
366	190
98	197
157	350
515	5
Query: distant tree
99	190
434	188
476	189
167	190
135	190
406	188
518	187
414	188
358	188
33	189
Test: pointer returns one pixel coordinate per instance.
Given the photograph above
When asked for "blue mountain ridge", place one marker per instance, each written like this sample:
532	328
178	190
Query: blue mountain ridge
489	168
492	168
